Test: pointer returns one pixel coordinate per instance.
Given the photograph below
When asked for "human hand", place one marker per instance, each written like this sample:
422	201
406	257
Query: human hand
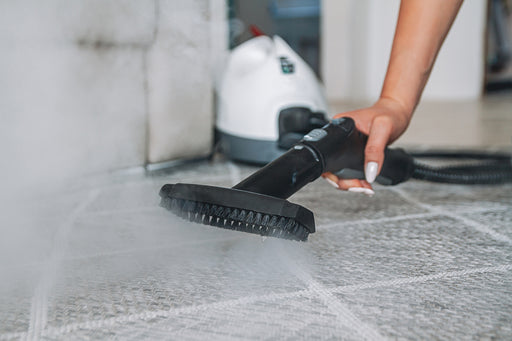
383	123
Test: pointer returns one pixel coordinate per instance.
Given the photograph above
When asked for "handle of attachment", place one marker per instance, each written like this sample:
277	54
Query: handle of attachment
336	147
341	148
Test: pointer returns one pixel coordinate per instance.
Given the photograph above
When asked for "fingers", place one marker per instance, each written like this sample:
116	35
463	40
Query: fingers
351	185
378	138
332	179
378	124
363	186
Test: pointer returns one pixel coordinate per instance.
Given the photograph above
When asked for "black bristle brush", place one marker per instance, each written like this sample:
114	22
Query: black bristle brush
258	204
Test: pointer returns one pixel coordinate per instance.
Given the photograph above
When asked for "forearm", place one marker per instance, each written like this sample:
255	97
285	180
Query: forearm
421	29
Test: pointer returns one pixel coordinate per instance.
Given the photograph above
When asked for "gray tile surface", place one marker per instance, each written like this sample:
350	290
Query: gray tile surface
417	261
499	221
331	206
475	306
16	290
367	252
459	198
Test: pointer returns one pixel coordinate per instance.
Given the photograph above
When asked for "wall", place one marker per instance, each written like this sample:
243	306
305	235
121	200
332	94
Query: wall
189	47
356	43
97	85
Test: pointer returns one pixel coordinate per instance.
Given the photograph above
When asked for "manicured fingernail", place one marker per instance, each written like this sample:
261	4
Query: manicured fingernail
371	171
369	192
356	189
366	191
332	182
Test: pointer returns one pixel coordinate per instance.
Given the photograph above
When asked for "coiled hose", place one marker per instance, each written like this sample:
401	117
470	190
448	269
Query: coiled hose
492	168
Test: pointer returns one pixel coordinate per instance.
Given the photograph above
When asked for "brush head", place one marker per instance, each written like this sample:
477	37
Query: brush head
238	210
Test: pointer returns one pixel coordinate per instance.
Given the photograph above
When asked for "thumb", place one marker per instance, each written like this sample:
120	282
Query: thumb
378	138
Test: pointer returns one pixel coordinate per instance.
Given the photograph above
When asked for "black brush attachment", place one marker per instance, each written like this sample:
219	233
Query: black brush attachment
238	210
258	204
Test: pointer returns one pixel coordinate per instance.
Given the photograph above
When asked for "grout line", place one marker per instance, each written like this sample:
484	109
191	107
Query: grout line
378	220
154	248
146	315
40	299
314	289
344	315
421	279
471	223
470	209
480	227
432	212
134	250
39	305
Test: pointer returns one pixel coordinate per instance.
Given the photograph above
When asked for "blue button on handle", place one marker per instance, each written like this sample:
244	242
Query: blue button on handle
315	135
338	120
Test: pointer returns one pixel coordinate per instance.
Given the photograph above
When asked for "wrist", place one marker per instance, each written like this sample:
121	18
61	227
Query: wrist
399	109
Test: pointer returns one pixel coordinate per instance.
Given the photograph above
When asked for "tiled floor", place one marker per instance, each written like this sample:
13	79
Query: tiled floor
415	261
99	259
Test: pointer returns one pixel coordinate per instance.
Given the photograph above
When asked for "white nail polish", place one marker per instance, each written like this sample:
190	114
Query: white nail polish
371	171
357	189
369	192
363	190
332	182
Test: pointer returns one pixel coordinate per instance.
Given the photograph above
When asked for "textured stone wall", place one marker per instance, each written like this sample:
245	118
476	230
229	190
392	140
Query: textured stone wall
97	85
180	81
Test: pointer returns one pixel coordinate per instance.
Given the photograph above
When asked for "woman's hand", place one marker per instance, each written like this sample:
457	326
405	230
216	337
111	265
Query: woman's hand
420	31
383	123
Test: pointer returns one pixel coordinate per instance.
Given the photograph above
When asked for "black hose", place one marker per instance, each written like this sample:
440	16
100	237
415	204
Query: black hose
491	169
462	154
